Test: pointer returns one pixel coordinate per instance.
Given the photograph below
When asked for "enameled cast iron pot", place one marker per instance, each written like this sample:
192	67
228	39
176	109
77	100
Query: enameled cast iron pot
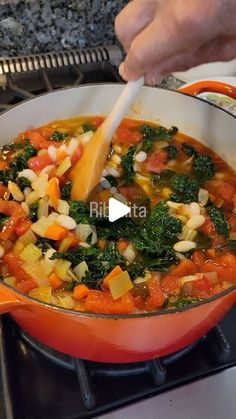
134	337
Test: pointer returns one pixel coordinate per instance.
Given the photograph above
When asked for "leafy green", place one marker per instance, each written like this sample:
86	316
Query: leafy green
147	145
19	163
29	151
112	180
44	244
189	150
203	167
3	219
127	164
217	216
12	146
157	133
23	182
182	302
7	175
58	136
87	126
172	152
66	191
33	211
79	211
186	189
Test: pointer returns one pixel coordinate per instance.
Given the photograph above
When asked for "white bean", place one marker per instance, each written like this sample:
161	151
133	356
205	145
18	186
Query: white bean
52	152
27	191
104	173
25	207
194	209
28	174
140	157
63	207
15	191
73	144
113	172
117	149
113	190
116	159
196	221
66	221
184	246
105	183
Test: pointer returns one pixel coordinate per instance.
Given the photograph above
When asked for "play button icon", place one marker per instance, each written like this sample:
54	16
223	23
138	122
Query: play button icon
117	209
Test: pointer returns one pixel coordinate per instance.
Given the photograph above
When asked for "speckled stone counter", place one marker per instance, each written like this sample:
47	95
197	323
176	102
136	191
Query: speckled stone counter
32	26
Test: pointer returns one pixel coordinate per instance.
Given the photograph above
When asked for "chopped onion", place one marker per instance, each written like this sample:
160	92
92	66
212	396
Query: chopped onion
40	185
129	253
84	231
43	208
190	278
86	137
203	197
211	276
66	302
36	271
42	294
81	270
61	269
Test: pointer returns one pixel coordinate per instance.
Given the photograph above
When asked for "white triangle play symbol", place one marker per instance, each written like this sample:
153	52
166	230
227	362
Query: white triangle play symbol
117	209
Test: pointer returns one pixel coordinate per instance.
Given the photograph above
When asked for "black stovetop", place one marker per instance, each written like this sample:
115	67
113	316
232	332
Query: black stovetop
38	383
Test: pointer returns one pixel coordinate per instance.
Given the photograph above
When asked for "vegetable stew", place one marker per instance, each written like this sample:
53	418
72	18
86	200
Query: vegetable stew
176	249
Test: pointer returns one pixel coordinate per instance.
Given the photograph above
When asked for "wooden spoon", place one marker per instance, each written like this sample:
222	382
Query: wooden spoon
88	170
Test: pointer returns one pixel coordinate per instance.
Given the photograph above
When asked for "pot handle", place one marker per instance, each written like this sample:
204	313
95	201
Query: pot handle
209	86
8	300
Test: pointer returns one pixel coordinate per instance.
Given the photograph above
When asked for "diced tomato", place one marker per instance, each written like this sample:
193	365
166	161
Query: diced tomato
198	258
223	273
132	193
22	226
39	141
222	189
37	163
46	132
156	297
202	284
156	162
129	124
102	302
27	286
208	228
127	137
14	210
3	165
170	284
140	302
4	192
184	268
15	268
77	154
97	121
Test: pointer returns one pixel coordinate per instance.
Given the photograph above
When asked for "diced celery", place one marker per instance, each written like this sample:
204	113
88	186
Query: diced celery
40	185
65	244
63	167
43	208
31	253
27	238
37	272
61	269
66	302
85	231
120	285
41	226
81	270
42	294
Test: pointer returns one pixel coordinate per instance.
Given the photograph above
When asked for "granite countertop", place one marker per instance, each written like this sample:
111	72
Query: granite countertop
32	26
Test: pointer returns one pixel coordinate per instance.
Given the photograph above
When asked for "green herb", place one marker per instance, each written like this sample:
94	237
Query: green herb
172	152
33	211
157	133
29	151
19	163
186	189
79	211
189	150
127	164
87	126
182	302
217	216
203	167
23	182
44	244
66	191
58	136
147	145
3	220
12	147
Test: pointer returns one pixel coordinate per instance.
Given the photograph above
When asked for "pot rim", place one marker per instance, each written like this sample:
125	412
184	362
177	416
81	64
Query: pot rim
119	316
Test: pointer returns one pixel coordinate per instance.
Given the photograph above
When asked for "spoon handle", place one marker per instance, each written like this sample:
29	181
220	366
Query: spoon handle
121	107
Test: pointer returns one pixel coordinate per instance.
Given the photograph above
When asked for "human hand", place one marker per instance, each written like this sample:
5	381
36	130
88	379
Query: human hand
163	36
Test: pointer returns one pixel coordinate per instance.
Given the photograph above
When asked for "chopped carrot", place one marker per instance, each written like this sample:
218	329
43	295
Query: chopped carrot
61	155
102	243
198	258
56	232
115	271
122	244
4	192
102	302
185	267
46	132
79	307
55	281
156	296
80	292
53	191
211	252
104	196
170	284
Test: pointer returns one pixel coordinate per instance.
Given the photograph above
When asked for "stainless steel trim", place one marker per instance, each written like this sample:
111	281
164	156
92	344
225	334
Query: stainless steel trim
15	65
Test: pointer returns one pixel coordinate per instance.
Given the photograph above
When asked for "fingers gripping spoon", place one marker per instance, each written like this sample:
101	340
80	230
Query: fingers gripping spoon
88	170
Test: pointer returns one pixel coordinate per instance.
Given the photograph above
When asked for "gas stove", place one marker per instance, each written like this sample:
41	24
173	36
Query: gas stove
37	382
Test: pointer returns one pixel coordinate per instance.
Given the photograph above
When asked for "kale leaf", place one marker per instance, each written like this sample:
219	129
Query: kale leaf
79	211
186	189
58	136
87	126
44	244
33	211
189	150
217	216
127	164
112	180
203	167
3	219
23	182
66	191
172	151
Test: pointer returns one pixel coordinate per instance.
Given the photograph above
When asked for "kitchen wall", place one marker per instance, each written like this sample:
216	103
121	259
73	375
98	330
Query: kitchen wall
32	26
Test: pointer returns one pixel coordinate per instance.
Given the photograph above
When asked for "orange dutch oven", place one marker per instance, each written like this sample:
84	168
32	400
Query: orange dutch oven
134	337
